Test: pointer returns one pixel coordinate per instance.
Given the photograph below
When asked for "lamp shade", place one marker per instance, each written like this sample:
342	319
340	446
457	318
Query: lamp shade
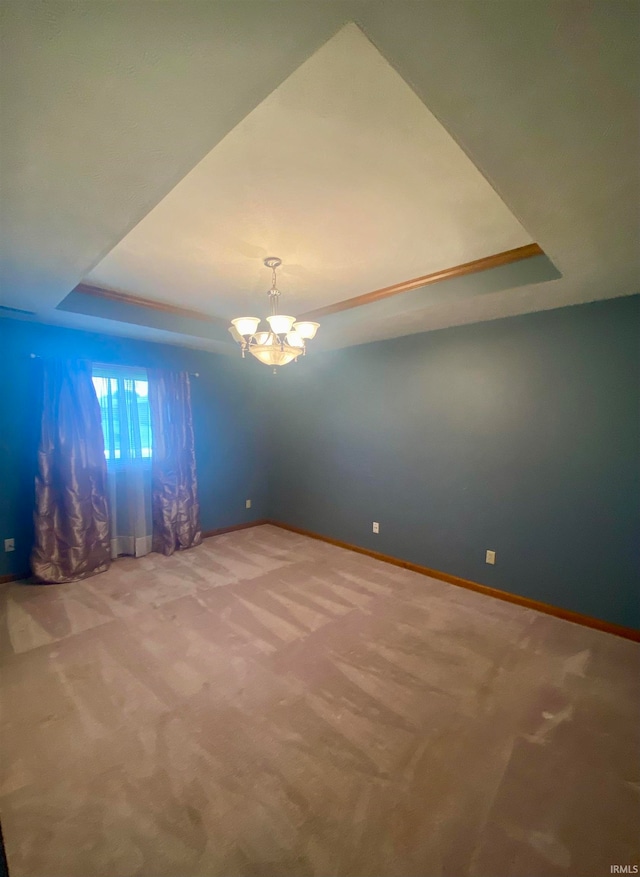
246	325
306	329
235	334
280	323
275	354
295	339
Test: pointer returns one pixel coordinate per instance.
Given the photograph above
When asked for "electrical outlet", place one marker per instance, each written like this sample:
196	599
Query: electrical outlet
376	527
9	544
247	504
491	557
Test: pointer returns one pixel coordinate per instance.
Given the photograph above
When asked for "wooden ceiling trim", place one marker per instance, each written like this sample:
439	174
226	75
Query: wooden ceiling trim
139	301
484	264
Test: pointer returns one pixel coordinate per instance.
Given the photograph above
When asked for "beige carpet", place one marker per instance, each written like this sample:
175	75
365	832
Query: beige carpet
267	704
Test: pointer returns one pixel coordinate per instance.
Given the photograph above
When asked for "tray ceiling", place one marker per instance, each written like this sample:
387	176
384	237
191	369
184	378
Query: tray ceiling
342	172
164	155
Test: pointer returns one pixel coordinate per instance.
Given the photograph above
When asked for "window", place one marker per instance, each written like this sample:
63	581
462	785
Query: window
123	394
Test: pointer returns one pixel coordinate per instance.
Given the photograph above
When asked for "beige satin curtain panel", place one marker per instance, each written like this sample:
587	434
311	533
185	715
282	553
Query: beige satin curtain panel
174	486
71	516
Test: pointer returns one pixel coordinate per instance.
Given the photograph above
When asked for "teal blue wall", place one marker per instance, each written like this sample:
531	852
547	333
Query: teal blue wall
519	435
226	402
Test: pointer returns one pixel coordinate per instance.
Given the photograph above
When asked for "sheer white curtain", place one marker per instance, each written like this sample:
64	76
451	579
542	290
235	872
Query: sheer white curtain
123	394
129	492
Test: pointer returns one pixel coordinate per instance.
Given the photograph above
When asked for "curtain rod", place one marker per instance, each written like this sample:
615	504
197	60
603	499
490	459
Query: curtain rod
141	367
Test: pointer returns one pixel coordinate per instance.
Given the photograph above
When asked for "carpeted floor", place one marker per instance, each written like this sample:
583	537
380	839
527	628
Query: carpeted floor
269	705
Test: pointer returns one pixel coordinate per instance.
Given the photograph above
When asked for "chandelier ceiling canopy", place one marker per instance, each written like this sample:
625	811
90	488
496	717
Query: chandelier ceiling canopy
284	341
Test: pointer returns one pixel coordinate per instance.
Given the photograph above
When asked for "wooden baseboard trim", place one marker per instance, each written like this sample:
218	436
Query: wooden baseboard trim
221	530
565	614
205	535
14	577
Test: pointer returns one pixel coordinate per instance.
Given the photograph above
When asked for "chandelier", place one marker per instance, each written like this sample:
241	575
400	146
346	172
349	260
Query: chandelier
285	340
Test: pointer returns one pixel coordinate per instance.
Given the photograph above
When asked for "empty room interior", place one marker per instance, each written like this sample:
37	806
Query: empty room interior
320	440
